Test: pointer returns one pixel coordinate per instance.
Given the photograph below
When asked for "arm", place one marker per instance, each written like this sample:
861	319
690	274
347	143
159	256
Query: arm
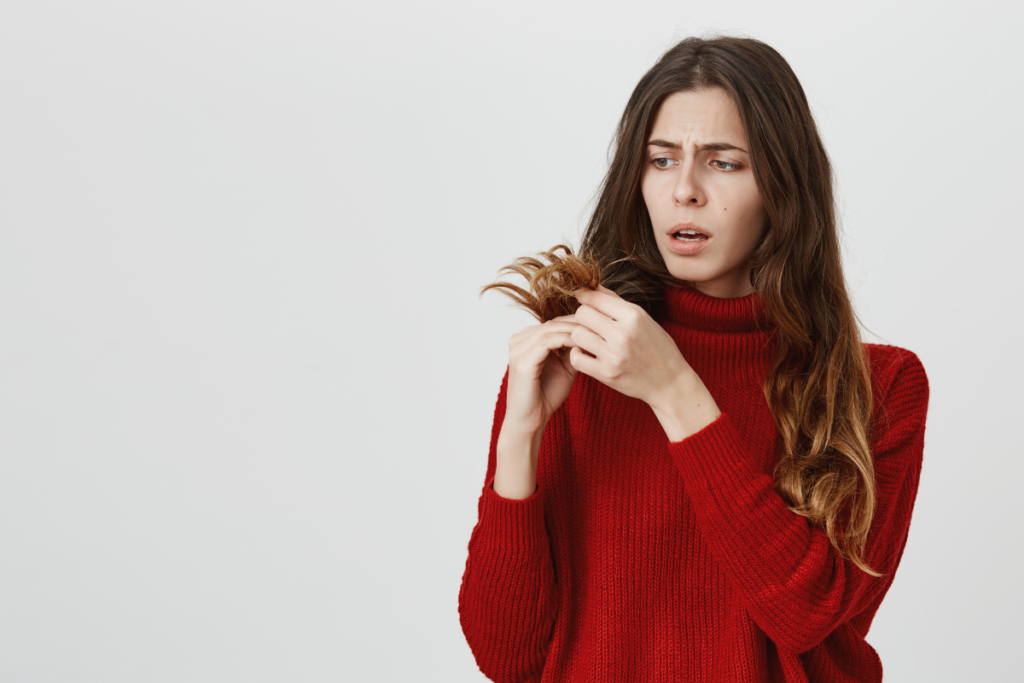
507	598
796	586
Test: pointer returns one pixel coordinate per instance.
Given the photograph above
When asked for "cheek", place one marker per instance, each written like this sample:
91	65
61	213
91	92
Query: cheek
654	193
745	216
647	191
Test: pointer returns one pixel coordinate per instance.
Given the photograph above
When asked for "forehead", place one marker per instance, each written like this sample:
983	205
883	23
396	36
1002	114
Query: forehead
699	116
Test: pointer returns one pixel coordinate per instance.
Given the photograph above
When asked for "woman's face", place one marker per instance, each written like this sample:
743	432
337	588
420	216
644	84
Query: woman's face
697	177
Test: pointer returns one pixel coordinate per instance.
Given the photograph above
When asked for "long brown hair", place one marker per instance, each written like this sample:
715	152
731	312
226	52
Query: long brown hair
819	385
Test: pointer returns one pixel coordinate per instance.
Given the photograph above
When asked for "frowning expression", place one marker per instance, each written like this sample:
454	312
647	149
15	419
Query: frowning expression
700	192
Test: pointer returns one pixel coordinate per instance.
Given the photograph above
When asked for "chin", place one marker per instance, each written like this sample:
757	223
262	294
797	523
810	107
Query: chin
692	275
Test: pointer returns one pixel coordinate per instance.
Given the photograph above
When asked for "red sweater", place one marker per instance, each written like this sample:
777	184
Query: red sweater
638	559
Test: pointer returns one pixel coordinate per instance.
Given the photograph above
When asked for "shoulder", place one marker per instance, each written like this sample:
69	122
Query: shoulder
893	365
899	384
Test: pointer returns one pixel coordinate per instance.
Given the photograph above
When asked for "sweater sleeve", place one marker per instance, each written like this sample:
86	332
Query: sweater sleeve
507	598
795	585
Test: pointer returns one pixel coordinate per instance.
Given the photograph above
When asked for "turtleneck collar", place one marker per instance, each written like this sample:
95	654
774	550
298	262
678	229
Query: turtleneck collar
723	340
689	308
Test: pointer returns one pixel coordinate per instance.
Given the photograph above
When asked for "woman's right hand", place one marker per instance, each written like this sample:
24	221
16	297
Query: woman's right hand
538	380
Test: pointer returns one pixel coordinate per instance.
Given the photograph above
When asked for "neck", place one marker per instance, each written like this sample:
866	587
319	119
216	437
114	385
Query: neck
730	288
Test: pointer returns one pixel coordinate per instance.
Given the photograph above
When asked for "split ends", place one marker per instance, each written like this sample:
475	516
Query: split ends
553	285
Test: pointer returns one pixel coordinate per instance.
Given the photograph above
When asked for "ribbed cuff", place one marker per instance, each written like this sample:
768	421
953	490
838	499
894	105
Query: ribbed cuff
512	523
713	456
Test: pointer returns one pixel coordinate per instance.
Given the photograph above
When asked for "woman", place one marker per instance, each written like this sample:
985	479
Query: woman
715	483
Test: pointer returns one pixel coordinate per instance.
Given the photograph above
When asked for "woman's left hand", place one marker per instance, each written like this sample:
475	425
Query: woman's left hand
622	346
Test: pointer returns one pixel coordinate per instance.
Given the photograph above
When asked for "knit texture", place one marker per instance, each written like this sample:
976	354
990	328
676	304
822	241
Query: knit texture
639	559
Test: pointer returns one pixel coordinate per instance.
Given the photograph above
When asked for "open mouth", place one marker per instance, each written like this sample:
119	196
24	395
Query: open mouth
689	236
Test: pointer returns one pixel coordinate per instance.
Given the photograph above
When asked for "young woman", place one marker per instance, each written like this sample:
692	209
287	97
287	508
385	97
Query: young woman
715	482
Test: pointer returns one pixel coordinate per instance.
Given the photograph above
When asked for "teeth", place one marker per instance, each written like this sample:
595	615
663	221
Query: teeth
690	236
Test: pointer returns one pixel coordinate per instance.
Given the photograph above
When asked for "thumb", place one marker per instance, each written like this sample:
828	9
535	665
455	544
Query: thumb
563	358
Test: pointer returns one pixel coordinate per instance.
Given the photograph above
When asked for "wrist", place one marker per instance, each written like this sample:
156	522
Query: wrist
515	474
686	408
514	437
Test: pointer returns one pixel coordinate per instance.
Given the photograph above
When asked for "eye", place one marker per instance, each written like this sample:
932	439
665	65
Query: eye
657	162
725	165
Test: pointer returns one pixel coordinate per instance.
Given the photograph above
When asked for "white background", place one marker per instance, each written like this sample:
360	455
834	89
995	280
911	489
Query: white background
246	383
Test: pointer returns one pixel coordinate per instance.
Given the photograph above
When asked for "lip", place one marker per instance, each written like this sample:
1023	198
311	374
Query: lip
686	248
686	226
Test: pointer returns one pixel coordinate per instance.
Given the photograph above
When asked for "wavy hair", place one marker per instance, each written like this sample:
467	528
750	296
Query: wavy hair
819	384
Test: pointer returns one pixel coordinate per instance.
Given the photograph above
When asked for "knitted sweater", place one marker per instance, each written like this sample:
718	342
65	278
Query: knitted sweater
640	559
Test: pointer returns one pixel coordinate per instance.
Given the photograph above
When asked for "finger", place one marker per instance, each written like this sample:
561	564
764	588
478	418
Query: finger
579	359
558	325
590	341
534	356
597	321
606	301
528	334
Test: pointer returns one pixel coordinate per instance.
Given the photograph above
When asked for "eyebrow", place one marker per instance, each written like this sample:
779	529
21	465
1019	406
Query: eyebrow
707	147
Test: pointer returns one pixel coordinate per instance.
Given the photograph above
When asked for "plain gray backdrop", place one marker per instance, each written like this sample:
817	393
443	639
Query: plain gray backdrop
246	382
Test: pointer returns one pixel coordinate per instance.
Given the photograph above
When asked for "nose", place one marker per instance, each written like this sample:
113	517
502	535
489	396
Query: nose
687	189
